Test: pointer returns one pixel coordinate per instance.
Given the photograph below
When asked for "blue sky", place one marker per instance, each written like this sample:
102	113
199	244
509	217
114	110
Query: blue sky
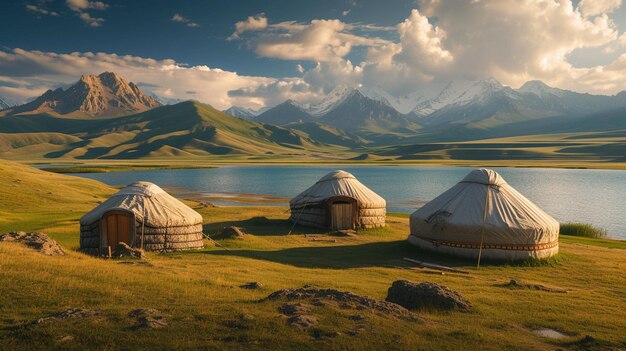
303	49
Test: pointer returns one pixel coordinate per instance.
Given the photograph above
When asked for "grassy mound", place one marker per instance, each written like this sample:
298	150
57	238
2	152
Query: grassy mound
583	229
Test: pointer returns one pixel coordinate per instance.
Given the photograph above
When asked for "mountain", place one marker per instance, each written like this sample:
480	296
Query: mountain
241	112
3	104
187	129
285	113
403	104
104	95
329	102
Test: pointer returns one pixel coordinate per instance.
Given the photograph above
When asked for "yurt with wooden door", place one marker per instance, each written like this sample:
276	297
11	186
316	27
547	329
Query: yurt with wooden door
141	215
484	215
338	201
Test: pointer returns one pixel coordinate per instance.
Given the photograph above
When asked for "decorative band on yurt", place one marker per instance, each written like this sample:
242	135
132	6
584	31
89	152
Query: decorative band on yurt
514	247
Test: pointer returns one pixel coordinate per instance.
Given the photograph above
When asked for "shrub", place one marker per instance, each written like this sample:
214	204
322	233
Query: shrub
583	229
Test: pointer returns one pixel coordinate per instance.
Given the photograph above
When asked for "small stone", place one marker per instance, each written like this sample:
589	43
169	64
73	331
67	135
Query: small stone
149	318
247	317
66	338
302	321
230	233
251	285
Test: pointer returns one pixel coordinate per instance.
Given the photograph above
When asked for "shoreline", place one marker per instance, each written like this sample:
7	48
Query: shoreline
97	166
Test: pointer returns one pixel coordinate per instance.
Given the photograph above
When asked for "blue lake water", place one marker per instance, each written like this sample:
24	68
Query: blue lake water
577	195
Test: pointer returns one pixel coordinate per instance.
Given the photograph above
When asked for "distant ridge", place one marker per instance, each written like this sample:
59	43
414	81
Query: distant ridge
103	95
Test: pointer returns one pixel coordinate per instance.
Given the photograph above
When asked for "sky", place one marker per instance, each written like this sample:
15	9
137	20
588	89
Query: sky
260	53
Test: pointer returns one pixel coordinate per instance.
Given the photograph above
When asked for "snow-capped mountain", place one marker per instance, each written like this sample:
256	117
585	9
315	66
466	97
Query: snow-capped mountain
329	102
241	112
403	104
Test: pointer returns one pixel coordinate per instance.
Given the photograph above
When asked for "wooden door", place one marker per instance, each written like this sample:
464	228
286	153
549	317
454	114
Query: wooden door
342	216
118	226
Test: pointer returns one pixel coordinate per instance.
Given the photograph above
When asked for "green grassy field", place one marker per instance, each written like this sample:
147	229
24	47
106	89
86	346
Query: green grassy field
200	289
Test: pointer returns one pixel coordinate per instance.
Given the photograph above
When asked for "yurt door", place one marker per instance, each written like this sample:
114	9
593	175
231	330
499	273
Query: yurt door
342	216
118	226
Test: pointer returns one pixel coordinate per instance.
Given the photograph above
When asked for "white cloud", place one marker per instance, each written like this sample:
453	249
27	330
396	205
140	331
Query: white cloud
299	68
252	23
319	40
81	6
25	74
40	10
596	7
180	18
275	92
92	21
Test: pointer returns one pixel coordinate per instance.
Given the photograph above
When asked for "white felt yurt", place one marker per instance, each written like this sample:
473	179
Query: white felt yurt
338	201
484	215
141	215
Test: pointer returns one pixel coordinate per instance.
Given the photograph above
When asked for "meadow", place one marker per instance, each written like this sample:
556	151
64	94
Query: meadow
201	289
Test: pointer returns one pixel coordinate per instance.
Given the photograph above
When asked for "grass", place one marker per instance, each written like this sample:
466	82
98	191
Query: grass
200	288
583	229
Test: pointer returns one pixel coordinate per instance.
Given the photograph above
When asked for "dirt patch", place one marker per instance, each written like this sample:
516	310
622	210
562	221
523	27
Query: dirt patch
416	296
35	240
149	318
514	284
343	299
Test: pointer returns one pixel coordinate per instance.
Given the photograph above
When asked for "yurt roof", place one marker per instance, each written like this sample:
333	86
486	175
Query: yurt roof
339	183
508	213
146	199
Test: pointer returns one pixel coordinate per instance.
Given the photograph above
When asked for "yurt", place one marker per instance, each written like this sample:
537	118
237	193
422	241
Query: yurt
141	215
483	215
338	201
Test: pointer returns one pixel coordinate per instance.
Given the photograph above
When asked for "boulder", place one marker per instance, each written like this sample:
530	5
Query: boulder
302	321
426	295
123	250
231	232
35	240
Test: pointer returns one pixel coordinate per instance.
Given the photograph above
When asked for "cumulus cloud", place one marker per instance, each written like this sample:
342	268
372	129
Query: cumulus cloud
596	7
275	92
40	10
180	18
252	23
25	74
319	40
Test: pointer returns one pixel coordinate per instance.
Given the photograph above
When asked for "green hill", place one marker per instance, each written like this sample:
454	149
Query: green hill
187	129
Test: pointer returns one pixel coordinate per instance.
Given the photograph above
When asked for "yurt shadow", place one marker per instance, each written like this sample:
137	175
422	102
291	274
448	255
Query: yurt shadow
375	254
262	226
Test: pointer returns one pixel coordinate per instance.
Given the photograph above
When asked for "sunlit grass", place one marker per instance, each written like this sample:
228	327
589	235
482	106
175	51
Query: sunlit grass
583	229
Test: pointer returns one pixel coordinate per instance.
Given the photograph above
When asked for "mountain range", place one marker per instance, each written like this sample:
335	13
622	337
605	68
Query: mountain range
463	109
105	117
104	95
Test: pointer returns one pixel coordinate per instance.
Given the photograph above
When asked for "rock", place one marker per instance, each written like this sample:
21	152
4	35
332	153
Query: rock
231	233
66	338
302	321
149	318
514	284
252	285
319	334
291	309
415	296
36	240
123	250
344	298
67	314
246	317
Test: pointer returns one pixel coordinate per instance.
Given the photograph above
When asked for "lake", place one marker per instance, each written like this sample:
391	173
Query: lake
578	195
